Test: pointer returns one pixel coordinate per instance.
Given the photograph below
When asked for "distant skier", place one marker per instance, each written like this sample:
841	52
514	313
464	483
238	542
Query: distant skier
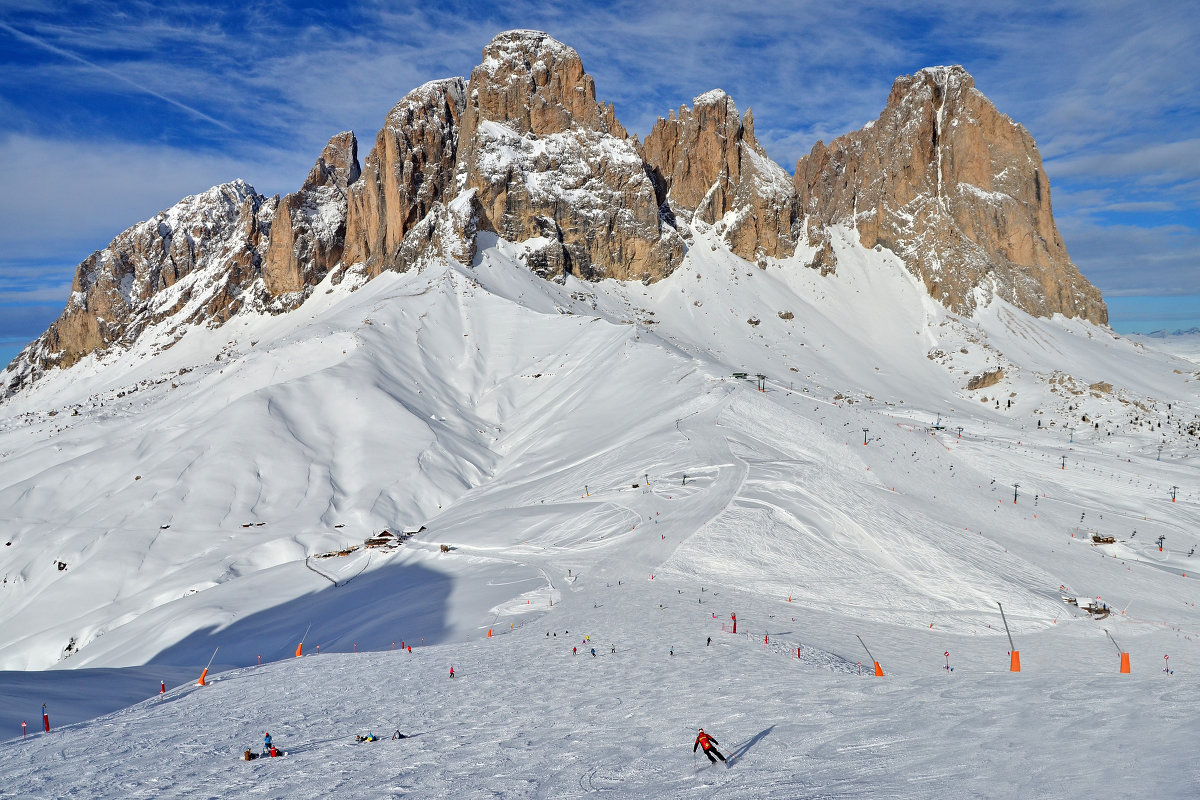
267	740
574	651
672	649
451	672
709	641
614	648
593	652
705	741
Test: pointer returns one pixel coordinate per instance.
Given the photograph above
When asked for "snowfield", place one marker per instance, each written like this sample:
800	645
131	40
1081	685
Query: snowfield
601	466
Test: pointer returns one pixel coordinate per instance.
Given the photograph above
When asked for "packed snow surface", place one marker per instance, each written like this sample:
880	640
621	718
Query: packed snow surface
586	466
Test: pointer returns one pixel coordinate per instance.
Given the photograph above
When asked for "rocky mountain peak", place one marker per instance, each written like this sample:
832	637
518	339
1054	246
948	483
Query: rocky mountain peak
533	83
189	264
524	149
308	232
708	166
549	163
409	172
337	164
957	189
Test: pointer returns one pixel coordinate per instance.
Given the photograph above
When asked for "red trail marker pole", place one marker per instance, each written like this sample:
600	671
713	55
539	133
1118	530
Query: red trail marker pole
23	729
45	718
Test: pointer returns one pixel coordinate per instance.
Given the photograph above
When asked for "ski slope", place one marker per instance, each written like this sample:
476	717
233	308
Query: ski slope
581	457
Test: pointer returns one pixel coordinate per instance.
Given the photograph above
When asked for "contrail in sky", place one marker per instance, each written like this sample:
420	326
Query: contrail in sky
25	37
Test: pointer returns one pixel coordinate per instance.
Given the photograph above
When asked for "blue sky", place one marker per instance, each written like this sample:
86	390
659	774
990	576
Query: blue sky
110	112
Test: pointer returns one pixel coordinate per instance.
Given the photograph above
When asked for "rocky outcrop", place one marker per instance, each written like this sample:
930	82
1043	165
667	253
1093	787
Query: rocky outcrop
309	229
191	264
707	164
549	163
955	188
985	379
525	150
410	170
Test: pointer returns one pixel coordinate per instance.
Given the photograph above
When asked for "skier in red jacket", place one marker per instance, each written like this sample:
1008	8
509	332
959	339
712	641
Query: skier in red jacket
709	744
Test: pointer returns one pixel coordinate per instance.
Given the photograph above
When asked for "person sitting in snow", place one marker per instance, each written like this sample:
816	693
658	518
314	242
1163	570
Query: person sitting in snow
709	745
370	737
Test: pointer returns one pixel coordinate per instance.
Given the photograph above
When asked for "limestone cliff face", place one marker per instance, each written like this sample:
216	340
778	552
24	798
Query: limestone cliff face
409	171
706	163
548	162
191	263
524	149
955	188
309	229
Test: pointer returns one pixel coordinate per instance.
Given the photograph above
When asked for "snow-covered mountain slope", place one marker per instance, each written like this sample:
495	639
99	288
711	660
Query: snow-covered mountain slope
1185	344
560	440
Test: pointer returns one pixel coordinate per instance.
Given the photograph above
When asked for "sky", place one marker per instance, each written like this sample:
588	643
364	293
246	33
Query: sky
111	112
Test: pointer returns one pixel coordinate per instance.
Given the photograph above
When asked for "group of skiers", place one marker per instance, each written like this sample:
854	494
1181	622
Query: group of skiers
269	750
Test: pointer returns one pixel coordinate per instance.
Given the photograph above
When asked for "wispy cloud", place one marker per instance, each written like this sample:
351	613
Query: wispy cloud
25	37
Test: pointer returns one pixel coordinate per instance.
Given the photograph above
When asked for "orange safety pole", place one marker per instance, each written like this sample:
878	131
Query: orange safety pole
300	647
878	669
1014	664
204	674
1124	655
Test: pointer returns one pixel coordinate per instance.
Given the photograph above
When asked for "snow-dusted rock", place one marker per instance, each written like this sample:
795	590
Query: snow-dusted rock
408	172
309	230
707	164
196	261
955	188
548	161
